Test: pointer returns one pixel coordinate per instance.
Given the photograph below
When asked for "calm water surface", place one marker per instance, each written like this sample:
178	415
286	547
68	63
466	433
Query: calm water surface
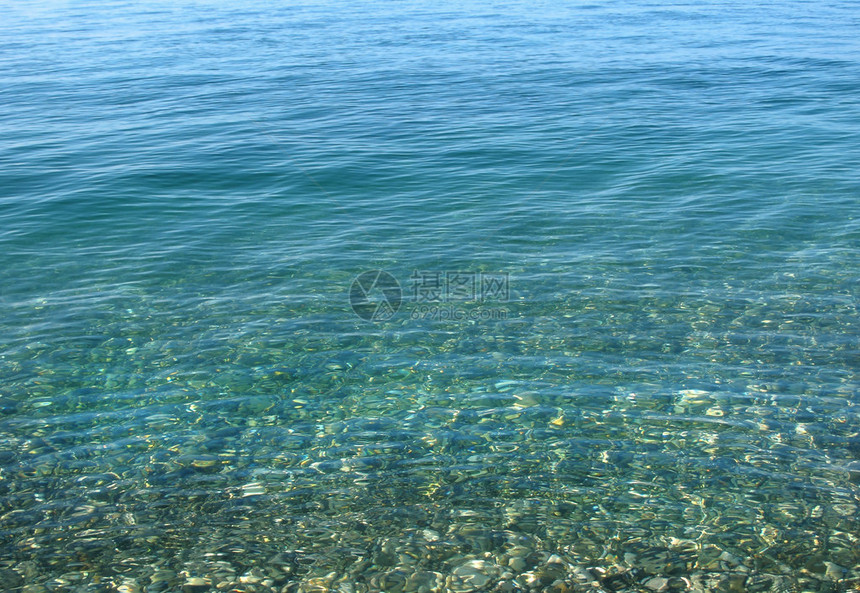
615	346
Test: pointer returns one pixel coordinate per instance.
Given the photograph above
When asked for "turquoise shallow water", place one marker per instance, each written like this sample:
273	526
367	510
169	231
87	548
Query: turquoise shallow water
614	346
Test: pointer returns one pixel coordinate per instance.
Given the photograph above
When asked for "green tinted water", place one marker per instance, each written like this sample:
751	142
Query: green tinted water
615	348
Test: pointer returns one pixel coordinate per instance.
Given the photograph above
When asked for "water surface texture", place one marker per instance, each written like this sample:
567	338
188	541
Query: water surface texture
614	346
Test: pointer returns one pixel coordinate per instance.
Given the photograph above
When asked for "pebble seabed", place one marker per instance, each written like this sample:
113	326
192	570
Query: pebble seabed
277	533
538	547
426	481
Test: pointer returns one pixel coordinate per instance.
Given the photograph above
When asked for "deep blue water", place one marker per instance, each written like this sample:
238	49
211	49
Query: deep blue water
614	340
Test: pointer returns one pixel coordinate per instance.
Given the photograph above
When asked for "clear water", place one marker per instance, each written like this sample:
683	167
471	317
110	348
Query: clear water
665	393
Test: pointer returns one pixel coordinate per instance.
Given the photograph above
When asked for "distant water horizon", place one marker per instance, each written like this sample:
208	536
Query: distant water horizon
399	297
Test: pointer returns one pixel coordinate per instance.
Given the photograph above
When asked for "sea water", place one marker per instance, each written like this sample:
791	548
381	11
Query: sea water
452	296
